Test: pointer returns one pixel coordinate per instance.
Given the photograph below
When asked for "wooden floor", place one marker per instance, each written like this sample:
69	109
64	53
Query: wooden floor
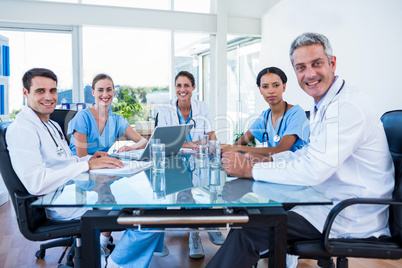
17	252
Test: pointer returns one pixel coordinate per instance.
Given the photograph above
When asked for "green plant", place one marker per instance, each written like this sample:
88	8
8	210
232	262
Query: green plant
14	114
127	105
237	136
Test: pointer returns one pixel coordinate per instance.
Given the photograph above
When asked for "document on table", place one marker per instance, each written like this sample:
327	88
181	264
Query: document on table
130	167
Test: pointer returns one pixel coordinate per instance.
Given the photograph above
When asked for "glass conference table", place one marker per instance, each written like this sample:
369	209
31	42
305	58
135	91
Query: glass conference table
188	194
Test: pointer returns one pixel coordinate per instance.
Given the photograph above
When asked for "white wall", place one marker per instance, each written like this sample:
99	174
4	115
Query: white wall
365	36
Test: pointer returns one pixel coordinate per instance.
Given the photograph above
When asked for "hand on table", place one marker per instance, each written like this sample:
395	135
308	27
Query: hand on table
126	148
255	158
99	154
104	162
237	165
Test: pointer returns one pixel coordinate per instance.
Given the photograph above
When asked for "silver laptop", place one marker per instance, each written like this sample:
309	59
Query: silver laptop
172	136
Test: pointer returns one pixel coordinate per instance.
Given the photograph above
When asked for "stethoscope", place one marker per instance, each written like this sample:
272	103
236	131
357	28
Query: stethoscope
188	119
276	137
343	83
188	164
60	150
323	114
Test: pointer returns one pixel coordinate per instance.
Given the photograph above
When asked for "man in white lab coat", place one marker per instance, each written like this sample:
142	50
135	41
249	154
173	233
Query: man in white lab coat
38	150
347	157
43	160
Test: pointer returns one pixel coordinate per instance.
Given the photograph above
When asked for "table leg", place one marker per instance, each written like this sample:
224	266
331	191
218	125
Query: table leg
94	221
278	242
90	242
275	219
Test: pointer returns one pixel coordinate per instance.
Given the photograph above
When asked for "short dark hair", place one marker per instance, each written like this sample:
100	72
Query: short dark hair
43	72
271	70
101	77
186	74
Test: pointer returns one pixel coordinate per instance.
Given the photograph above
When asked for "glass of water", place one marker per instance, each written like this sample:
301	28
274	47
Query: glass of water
159	185
152	141
203	145
214	154
158	157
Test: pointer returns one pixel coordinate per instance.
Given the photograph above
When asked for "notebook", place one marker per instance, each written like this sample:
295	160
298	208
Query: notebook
130	168
172	136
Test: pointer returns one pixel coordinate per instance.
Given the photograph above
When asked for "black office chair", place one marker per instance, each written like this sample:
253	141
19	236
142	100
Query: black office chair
32	222
156	119
381	248
63	117
307	114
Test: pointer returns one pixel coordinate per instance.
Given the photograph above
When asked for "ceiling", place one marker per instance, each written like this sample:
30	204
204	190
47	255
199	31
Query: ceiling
250	8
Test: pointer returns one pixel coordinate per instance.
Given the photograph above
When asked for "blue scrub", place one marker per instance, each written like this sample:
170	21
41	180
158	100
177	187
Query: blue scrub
182	122
135	249
294	123
84	122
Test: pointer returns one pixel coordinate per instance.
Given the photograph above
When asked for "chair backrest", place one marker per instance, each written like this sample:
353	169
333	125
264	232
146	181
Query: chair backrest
15	187
308	114
392	122
156	119
63	117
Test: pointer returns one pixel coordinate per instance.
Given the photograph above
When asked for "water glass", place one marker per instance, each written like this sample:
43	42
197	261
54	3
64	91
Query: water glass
152	141
159	185
203	145
214	154
214	176
203	161
158	157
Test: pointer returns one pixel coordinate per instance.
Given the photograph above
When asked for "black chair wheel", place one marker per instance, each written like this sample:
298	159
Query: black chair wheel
70	263
40	254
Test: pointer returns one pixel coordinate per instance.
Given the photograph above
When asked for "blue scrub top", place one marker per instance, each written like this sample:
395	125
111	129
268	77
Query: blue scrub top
84	122
294	123
187	121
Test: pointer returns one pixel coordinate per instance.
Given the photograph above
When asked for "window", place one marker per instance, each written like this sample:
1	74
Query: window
29	49
242	92
137	60
187	46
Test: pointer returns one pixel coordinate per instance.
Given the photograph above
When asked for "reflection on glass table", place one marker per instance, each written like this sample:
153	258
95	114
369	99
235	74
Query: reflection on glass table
182	176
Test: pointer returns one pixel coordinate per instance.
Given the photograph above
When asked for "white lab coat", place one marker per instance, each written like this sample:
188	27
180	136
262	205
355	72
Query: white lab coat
347	157
34	156
200	113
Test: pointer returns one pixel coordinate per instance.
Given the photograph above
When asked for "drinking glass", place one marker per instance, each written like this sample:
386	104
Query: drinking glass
214	154
203	145
158	157
159	185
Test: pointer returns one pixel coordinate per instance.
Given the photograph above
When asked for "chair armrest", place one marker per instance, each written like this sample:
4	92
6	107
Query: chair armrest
346	203
22	196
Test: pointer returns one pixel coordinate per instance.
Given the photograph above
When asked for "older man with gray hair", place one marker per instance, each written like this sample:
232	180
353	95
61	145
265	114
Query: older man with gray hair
347	157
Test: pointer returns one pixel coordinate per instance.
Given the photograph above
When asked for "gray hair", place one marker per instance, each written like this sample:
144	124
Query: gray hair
308	39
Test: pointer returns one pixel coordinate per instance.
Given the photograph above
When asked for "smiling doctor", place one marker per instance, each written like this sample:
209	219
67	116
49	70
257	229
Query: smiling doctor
185	110
347	157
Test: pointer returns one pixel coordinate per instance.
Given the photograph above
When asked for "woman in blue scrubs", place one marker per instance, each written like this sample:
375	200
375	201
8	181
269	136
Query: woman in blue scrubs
280	128
96	129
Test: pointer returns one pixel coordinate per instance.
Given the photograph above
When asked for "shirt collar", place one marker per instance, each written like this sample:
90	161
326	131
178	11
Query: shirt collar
317	105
